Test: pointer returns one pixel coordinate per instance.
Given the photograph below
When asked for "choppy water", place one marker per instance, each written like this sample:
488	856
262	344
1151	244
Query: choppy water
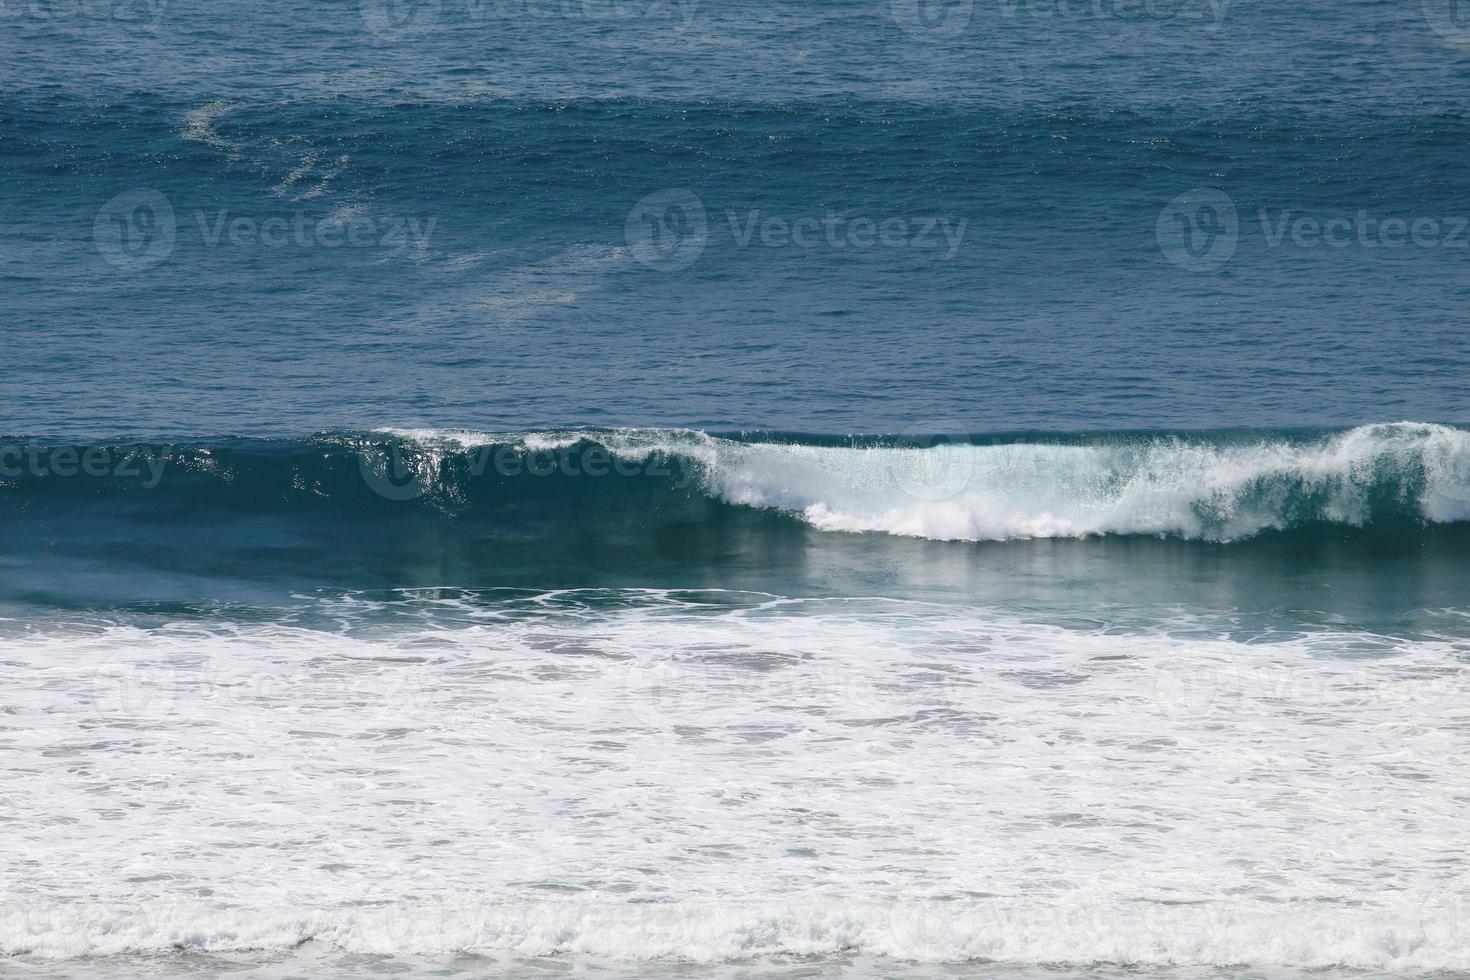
795	489
259	220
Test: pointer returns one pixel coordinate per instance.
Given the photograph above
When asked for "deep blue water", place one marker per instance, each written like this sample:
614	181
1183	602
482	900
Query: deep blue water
491	157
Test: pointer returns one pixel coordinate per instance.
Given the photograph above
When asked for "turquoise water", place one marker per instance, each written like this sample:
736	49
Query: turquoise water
1282	530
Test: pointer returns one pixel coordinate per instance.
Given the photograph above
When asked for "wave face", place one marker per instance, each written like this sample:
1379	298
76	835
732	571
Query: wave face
1375	516
1208	487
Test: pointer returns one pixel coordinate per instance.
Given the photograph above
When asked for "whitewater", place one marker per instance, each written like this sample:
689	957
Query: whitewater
707	778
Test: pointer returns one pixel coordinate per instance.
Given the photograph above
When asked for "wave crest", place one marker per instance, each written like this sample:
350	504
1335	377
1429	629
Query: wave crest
1213	490
1211	487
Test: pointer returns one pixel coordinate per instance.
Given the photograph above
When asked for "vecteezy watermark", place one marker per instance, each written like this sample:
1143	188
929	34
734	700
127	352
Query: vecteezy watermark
932	20
1447	472
1450	19
145	464
935	461
667	230
393	472
1209	14
135	229
404	471
837	231
673	691
670	229
135	692
1201	229
301	230
1198	688
140	228
1187	691
128	13
942	20
394	20
1198	230
155	689
399	19
1362	229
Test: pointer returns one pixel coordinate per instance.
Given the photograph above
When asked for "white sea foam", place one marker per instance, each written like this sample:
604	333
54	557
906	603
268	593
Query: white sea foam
1153	486
199	127
555	281
711	777
1393	936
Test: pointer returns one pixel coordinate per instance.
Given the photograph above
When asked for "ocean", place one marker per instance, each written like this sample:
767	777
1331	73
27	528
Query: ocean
926	488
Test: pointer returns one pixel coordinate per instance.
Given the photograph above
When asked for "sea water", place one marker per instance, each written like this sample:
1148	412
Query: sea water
726	490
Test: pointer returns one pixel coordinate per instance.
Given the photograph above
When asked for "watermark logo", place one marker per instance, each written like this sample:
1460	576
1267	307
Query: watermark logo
1194	689
303	231
193	687
684	11
405	472
932	20
837	232
138	229
143	464
1210	14
132	13
1199	230
1186	691
135	229
1444	917
394	473
664	692
667	230
395	20
943	20
1450	19
1361	229
135	692
1447	468
934	462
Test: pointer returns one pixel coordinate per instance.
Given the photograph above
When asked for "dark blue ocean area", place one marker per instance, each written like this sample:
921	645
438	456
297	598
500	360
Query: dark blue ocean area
842	217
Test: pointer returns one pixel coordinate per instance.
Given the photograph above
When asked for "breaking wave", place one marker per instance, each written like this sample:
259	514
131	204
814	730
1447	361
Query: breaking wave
1203	486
